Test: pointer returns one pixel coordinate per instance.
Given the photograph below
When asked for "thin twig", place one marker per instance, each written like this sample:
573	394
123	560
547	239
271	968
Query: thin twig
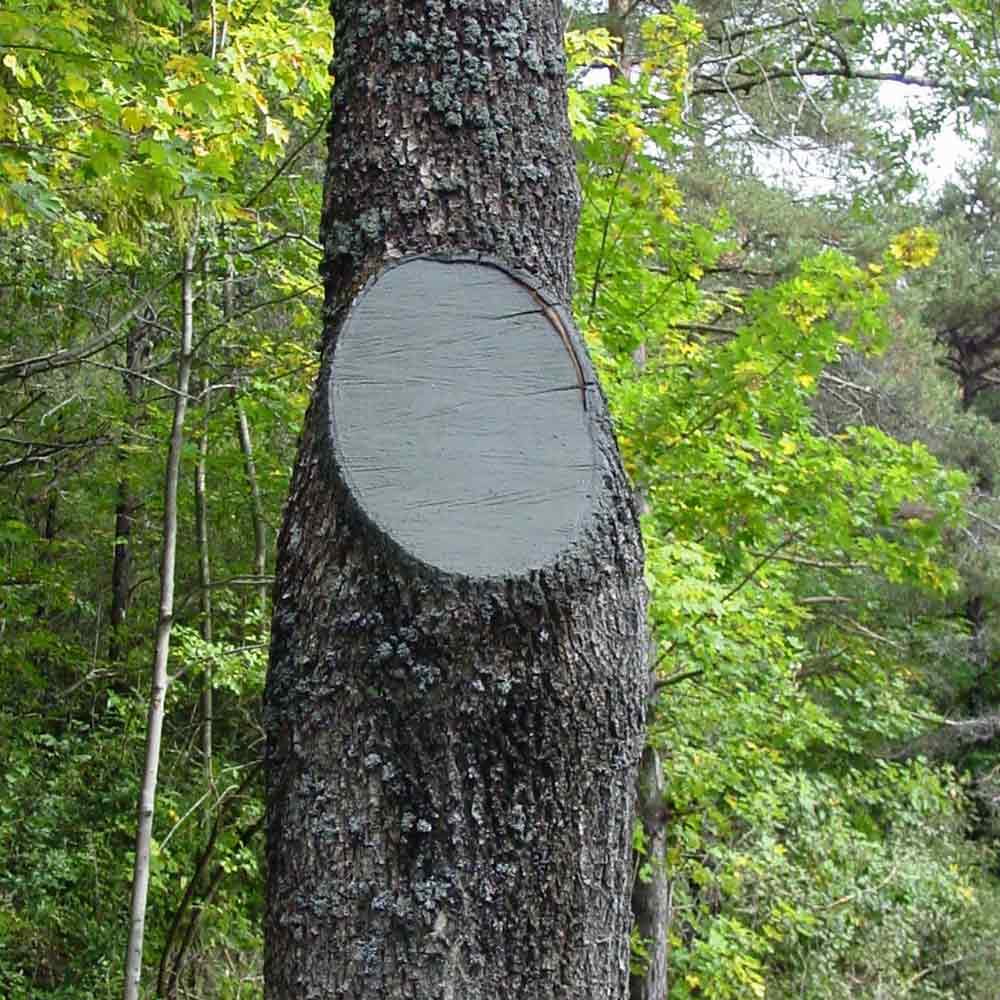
604	232
673	679
288	161
736	588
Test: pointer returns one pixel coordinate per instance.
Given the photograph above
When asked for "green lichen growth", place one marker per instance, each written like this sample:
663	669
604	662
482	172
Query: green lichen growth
479	116
409	49
445	99
342	239
370	223
472	31
540	103
489	142
477	72
531	57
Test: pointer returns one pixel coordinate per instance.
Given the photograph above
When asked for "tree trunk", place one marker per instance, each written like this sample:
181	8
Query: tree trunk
618	15
121	568
158	688
650	893
205	596
458	670
136	358
257	508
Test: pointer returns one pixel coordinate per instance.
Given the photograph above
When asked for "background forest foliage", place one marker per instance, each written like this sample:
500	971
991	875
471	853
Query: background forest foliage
800	344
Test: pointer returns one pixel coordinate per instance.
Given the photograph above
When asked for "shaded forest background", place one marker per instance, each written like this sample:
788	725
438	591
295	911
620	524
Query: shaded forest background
800	342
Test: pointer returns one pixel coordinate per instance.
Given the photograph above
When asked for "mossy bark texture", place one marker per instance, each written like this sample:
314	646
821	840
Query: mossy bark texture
451	759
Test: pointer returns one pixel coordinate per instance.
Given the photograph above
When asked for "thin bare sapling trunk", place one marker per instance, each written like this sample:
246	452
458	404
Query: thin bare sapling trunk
249	466
259	523
136	357
205	598
158	692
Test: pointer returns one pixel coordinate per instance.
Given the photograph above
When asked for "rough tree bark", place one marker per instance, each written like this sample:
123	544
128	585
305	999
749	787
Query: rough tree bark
650	892
453	742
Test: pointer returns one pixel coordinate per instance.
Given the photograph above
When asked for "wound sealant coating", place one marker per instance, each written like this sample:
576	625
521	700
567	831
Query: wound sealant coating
457	417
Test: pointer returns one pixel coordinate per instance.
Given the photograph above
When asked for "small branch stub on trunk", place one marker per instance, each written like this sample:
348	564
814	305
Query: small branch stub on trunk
458	411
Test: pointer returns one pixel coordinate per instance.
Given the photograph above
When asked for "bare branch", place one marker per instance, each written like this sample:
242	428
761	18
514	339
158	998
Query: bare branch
288	161
685	675
26	367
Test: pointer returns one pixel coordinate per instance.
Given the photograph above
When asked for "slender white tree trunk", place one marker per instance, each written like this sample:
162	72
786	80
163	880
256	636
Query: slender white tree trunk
259	526
158	693
205	582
